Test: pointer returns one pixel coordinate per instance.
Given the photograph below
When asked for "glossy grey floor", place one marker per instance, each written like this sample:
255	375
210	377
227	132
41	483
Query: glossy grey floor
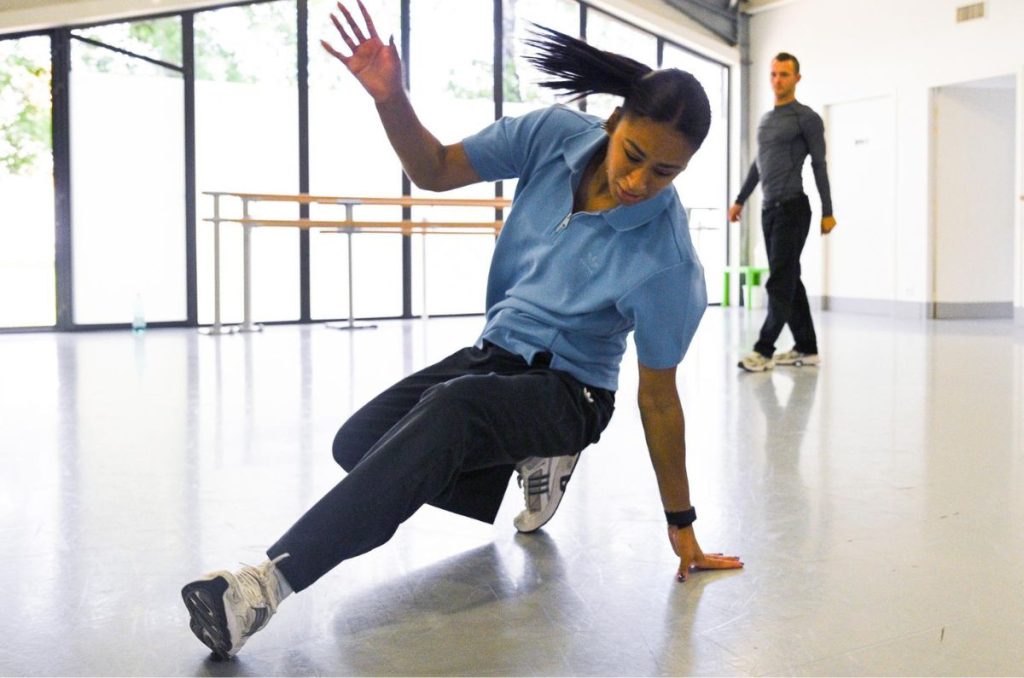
877	502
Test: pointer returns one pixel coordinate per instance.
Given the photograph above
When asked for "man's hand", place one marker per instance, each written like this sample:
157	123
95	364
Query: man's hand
827	224
735	211
684	543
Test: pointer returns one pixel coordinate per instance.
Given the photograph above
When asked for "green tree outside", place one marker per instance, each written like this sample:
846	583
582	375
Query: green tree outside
25	117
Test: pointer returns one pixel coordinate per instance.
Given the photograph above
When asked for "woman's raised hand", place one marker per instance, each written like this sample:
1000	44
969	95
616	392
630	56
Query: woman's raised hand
375	65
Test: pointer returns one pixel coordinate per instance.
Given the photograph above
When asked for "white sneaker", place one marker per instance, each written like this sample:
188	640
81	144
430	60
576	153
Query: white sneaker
226	608
755	362
543	480
796	359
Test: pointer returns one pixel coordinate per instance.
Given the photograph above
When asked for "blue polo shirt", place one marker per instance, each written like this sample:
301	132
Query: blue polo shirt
575	284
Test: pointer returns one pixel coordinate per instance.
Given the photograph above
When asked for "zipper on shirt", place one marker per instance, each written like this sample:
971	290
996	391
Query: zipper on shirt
568	217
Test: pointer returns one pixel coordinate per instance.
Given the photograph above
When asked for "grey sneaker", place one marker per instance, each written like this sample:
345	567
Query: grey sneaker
755	362
797	359
226	608
543	480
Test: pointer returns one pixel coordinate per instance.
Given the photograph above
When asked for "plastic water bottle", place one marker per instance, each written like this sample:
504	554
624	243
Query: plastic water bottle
138	315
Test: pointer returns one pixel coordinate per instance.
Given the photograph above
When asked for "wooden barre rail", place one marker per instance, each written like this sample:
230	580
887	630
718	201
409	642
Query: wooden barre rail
405	227
347	226
404	201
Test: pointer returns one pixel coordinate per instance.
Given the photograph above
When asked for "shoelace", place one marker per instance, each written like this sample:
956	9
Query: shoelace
254	586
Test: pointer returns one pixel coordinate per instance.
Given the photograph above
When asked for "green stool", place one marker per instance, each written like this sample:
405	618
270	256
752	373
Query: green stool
750	278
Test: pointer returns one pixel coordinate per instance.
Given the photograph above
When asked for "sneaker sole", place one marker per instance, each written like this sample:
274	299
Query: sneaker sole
747	369
553	505
205	602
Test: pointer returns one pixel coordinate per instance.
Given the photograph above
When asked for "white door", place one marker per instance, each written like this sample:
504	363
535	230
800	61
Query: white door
859	256
973	174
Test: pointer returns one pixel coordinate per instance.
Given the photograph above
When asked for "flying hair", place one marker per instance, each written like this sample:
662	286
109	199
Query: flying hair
579	69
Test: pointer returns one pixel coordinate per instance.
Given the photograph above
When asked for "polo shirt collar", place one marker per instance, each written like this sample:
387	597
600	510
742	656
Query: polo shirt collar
577	151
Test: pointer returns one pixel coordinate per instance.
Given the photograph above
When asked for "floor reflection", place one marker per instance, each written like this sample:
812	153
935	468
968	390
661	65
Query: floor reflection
862	495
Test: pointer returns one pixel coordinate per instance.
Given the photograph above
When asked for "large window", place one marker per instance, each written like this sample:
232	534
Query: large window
349	155
451	73
522	90
27	281
128	173
703	187
108	137
247	141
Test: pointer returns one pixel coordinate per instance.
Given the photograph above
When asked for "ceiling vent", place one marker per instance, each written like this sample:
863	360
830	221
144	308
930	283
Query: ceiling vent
970	12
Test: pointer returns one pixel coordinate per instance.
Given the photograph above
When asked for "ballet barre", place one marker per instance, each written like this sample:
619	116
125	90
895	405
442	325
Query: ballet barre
347	226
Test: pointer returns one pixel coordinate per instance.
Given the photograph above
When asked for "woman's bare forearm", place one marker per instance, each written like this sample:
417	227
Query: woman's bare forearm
430	165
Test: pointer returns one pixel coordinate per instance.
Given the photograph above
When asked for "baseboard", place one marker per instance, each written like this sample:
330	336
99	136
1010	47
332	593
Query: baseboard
911	310
974	310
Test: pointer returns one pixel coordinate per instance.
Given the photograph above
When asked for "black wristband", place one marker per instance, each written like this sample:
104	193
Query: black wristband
681	518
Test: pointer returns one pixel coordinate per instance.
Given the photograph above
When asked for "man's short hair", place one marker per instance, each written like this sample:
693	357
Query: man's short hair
786	56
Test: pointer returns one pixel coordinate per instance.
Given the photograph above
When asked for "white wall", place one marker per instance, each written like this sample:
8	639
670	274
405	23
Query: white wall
852	50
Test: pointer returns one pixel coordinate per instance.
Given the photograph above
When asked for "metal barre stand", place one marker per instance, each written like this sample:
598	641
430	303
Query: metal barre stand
247	324
217	328
350	324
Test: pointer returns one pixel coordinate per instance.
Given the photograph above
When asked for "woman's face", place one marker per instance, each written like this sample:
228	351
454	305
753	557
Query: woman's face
644	156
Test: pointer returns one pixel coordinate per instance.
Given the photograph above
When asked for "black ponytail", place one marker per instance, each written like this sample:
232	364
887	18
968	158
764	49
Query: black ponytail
579	69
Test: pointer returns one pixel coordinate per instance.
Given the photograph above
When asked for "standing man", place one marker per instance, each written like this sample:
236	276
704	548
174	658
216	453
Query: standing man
786	135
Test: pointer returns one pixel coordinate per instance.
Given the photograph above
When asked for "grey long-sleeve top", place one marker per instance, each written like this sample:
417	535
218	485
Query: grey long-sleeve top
786	135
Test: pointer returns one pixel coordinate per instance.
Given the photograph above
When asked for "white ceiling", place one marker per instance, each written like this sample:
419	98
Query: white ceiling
30	15
34	4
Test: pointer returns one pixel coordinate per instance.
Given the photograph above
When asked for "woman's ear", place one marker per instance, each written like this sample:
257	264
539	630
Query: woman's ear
613	120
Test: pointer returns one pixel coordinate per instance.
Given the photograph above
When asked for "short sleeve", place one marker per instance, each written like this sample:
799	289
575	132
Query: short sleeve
666	309
502	149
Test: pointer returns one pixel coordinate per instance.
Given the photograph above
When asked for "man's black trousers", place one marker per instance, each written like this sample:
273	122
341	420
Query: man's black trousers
785	225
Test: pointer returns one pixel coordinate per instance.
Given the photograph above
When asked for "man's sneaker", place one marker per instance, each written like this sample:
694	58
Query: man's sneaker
226	608
797	359
543	480
755	362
